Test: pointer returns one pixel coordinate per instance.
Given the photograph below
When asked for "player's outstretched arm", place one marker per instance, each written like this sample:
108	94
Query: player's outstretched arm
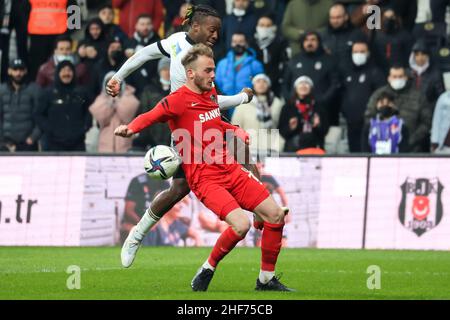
147	53
227	102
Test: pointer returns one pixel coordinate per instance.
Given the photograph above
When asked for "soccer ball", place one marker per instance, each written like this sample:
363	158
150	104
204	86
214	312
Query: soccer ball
161	162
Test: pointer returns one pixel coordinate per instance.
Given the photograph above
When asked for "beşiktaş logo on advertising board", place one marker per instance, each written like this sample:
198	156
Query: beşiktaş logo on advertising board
421	205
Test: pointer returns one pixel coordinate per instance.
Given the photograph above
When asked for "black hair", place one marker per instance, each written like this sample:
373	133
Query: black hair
106	6
397	65
62	38
144	15
239	32
267	15
195	13
386	95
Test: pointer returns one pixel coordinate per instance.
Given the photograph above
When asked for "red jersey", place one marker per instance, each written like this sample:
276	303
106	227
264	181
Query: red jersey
201	143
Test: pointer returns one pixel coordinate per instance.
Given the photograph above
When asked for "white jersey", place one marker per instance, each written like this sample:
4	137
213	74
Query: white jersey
174	47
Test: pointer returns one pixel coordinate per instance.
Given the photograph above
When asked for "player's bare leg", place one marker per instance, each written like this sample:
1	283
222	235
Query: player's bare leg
160	205
273	216
239	226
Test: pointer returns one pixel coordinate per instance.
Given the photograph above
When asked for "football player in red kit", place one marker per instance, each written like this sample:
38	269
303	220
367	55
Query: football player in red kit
223	185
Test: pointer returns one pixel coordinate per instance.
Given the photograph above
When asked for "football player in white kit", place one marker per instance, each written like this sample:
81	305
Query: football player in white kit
205	24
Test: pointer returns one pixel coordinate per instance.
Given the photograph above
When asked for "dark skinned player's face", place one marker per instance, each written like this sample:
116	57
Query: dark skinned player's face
207	31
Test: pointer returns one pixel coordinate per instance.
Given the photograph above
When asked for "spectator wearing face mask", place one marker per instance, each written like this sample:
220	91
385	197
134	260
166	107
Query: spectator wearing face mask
412	106
337	36
359	81
386	133
241	19
272	49
303	116
236	70
63	113
62	52
425	76
261	115
113	60
110	112
392	44
158	88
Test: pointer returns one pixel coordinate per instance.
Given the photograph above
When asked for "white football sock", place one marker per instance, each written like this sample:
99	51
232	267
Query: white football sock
206	265
147	221
265	276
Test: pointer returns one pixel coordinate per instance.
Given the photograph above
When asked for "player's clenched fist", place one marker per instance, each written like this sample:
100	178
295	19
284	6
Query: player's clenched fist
113	87
249	93
123	131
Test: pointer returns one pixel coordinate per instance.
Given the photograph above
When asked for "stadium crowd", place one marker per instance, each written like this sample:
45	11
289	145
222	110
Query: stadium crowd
329	75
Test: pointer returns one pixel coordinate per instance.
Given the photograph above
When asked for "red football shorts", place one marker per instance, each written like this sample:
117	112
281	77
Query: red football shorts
229	187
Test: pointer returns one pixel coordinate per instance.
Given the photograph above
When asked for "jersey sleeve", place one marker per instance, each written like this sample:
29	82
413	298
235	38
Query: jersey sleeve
150	52
168	108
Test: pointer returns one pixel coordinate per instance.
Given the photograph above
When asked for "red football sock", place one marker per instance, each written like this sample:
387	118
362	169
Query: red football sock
226	242
270	245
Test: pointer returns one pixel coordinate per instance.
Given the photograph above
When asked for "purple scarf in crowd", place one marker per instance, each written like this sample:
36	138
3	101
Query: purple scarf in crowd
385	135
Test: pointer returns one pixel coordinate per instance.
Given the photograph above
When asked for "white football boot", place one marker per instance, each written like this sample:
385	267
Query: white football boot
129	249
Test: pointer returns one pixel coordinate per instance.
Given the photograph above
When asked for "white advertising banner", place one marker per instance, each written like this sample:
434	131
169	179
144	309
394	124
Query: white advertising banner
95	201
342	199
40	200
409	204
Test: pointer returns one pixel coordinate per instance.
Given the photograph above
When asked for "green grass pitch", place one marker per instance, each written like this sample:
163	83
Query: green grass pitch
165	273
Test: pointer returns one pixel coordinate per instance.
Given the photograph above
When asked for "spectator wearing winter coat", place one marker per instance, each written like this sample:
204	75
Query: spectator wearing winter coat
237	69
315	63
110	29
93	47
337	38
114	58
18	102
261	115
142	37
62	52
301	16
240	20
392	44
158	88
111	112
386	133
425	76
129	10
440	129
360	14
303	115
413	108
272	49
359	81
63	113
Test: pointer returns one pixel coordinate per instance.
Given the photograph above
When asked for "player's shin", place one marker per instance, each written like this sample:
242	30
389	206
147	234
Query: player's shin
270	248
226	242
148	220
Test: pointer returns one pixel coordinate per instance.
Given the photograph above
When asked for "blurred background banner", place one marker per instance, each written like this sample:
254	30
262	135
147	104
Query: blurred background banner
94	200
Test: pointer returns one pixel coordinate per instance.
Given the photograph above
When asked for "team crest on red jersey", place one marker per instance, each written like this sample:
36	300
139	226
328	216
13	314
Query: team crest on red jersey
213	98
421	206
